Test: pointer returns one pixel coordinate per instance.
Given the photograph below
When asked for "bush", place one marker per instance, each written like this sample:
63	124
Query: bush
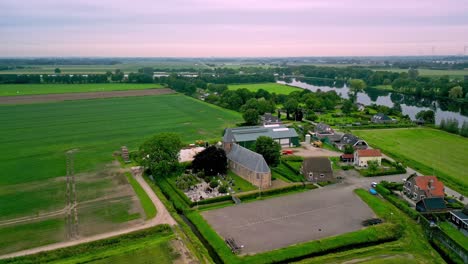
214	184
222	189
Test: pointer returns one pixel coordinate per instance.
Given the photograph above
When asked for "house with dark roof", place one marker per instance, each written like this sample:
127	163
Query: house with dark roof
431	205
352	140
249	165
246	136
382	118
317	169
420	187
363	156
460	218
269	119
322	130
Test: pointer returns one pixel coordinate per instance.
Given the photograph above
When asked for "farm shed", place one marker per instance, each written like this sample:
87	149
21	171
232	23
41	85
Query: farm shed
246	136
249	165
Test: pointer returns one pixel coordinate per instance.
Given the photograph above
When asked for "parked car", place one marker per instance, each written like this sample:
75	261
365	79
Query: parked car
373	184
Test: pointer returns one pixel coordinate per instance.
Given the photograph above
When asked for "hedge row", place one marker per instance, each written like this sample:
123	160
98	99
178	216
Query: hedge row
289	166
286	172
400	204
404	125
366	173
369	236
63	253
287	189
292	158
185	232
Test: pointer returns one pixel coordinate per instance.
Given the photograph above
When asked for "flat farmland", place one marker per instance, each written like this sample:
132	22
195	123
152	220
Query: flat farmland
429	151
270	87
32	89
35	137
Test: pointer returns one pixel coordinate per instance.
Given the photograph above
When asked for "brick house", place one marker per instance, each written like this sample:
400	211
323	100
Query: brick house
363	156
420	187
249	165
317	169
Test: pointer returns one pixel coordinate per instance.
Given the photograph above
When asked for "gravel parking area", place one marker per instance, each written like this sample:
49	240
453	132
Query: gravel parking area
283	221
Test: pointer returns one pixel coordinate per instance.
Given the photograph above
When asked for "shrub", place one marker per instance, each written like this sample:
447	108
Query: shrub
222	189
214	183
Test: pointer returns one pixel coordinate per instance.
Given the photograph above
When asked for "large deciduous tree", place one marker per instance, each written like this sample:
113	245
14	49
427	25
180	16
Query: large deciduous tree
428	116
250	117
160	154
456	92
269	149
212	161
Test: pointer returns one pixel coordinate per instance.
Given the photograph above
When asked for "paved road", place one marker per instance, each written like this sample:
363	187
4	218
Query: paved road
162	217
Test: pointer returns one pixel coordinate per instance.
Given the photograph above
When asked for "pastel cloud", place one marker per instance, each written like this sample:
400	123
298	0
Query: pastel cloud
232	28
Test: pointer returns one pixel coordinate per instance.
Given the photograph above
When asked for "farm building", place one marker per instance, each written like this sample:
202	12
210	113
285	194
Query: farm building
246	136
317	169
249	165
347	157
363	156
420	187
269	119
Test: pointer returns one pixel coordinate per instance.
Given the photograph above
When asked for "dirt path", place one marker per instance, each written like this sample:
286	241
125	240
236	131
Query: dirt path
29	99
162	217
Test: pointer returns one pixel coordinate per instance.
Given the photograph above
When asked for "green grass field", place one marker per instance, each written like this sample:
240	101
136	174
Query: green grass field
34	138
241	183
153	245
270	87
146	203
30	89
429	151
454	233
18	237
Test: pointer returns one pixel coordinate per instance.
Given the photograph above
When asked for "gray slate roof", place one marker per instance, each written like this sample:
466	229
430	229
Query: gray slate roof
248	159
349	139
242	134
317	164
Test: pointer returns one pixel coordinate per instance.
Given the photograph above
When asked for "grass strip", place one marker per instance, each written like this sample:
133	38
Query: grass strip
146	203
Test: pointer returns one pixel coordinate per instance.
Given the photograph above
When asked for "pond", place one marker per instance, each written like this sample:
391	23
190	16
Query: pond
410	104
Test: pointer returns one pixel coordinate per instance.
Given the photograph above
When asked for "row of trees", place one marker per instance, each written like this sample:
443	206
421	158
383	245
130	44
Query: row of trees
451	125
407	82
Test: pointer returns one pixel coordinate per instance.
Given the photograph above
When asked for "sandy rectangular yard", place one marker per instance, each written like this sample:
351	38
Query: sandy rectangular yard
283	221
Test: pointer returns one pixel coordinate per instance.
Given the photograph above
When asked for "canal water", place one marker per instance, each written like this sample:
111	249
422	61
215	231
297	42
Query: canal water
410	104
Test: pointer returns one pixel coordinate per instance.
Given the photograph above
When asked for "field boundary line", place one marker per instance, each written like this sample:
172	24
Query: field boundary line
45	98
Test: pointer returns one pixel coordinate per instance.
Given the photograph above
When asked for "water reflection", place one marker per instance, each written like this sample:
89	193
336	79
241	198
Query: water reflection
410	104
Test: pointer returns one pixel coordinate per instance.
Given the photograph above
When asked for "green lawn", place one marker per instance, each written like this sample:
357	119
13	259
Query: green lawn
429	151
270	87
151	245
454	234
146	203
19	237
34	138
241	183
30	89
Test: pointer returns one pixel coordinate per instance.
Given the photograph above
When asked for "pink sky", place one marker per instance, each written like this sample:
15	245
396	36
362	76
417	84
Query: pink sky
199	28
